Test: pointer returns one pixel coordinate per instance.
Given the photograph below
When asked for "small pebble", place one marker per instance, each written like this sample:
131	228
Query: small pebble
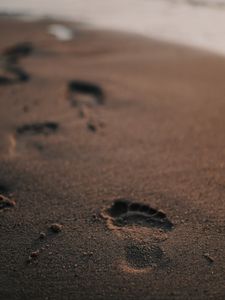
56	227
42	235
34	254
208	257
91	127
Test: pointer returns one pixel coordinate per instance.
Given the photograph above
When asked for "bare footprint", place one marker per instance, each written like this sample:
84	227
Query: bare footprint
86	96
123	213
143	229
30	136
85	93
18	51
140	258
44	128
9	62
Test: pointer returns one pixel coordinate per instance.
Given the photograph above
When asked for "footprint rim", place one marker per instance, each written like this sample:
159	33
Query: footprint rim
125	212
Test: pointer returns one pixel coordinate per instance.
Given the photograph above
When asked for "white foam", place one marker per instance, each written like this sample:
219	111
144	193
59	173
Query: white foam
199	23
61	32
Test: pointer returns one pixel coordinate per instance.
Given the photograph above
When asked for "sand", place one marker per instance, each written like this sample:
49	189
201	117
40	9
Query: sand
111	167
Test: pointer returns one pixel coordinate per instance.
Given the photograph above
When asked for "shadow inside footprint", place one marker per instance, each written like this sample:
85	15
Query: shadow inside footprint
45	128
13	74
4	189
4	80
85	93
127	213
18	51
9	60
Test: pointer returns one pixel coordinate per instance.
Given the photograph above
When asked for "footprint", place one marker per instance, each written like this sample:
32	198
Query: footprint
85	96
9	63
45	128
85	93
124	212
18	51
140	258
143	229
31	136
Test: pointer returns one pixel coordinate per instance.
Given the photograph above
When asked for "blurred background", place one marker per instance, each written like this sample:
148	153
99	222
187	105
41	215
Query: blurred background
199	23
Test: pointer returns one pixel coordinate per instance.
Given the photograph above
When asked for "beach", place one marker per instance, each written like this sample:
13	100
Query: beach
195	23
111	166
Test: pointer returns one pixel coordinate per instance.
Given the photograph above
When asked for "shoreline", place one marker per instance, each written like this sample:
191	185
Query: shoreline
168	21
88	27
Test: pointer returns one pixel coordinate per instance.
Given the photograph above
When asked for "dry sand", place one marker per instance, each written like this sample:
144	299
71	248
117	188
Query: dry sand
103	117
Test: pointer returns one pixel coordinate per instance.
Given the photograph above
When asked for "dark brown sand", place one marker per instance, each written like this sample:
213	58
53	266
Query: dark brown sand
103	117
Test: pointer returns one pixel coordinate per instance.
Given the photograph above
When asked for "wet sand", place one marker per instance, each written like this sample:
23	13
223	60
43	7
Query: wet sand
111	167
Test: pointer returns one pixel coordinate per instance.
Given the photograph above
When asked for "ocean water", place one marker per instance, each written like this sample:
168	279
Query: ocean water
199	23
